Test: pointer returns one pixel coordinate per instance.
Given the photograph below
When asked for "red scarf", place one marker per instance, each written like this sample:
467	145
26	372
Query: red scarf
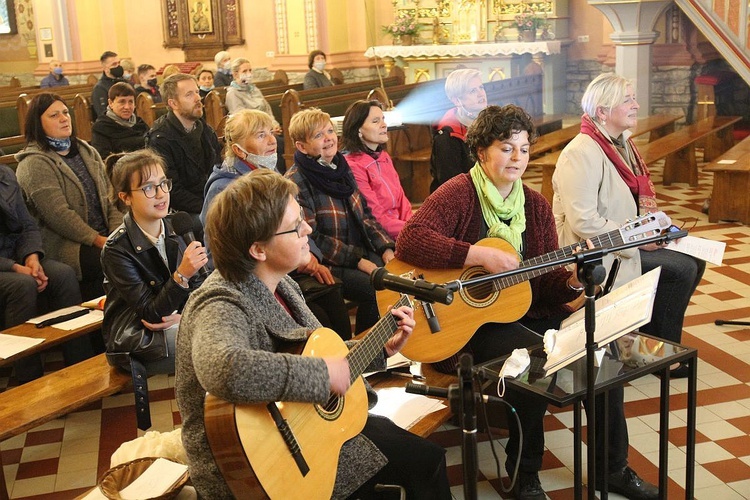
450	119
639	181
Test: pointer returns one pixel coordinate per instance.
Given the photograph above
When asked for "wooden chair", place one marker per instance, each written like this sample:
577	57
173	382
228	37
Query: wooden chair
83	116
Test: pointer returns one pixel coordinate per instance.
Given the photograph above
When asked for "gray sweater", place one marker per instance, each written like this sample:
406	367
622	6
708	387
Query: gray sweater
56	198
227	345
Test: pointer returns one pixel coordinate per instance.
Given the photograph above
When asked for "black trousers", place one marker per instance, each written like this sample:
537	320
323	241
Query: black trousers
414	463
494	340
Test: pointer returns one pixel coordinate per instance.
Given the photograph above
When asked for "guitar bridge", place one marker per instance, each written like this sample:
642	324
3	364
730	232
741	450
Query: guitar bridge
288	436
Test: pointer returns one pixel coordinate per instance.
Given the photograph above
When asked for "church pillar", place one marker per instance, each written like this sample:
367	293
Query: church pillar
633	36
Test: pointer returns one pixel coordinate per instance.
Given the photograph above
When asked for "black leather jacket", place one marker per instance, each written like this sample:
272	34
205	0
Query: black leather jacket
137	282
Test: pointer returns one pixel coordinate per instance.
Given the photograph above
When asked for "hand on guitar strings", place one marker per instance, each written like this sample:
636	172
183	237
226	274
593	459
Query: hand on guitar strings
338	374
405	320
573	280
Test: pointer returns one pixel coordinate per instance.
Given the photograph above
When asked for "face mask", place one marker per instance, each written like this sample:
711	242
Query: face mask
320	66
151	82
227	66
206	89
58	70
247	78
514	366
126	76
117	72
268	161
59	144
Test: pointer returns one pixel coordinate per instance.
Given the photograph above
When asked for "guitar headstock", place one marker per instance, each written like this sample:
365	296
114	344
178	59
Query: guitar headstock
645	226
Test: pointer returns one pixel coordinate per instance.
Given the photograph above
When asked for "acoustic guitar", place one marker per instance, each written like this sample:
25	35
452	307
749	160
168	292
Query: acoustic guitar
288	449
499	301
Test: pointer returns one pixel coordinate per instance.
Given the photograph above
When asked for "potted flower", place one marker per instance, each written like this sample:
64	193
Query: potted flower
404	27
527	23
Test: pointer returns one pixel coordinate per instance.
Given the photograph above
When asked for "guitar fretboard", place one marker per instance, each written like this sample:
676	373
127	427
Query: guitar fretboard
607	240
362	354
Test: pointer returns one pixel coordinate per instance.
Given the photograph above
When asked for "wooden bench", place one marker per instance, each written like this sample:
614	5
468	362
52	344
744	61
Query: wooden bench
55	395
730	199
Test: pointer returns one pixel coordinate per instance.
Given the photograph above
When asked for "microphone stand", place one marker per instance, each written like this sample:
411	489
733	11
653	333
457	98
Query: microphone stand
468	420
590	273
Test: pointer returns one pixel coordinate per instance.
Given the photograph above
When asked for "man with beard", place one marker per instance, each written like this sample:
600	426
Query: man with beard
188	145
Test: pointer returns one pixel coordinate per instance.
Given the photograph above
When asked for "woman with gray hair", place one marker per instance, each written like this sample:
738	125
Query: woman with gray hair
223	76
243	94
450	155
600	182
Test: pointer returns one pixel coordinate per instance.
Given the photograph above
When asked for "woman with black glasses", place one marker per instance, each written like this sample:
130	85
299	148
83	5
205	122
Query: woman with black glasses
149	271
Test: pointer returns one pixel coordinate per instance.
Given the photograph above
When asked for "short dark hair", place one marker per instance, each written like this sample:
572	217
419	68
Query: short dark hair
205	71
107	55
355	116
120	89
249	210
498	123
144	68
34	131
311	57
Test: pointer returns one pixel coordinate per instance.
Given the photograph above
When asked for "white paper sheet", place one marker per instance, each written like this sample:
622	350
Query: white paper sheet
726	162
11	345
620	312
155	480
701	248
54	314
404	409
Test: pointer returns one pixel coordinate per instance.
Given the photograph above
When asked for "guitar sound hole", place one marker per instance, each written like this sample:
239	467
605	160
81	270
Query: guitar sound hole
480	295
332	409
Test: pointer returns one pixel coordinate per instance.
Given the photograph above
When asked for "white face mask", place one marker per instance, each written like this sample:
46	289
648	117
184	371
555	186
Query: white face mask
320	65
246	78
268	161
514	366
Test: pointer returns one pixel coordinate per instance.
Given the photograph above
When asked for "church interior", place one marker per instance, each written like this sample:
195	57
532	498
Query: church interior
689	64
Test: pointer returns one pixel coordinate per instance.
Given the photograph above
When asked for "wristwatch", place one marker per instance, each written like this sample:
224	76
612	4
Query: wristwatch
182	280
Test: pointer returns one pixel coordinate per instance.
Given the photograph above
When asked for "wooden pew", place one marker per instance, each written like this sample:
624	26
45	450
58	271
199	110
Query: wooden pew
83	116
55	395
657	126
15	143
729	199
147	110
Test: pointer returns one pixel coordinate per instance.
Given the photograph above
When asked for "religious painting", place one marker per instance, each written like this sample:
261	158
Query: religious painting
201	19
7	18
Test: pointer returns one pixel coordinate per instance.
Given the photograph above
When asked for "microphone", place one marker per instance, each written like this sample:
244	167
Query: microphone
427	390
182	223
381	279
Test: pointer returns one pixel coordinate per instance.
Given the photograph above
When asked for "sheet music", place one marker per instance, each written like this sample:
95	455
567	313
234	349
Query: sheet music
617	313
11	345
701	248
404	409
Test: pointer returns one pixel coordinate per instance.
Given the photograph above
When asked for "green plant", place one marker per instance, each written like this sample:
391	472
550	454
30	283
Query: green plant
528	21
405	24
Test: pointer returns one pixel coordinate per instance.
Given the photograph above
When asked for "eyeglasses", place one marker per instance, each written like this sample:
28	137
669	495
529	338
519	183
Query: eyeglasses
149	190
297	229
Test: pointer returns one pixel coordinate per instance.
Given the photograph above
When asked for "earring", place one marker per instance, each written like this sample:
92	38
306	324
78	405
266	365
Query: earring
360	134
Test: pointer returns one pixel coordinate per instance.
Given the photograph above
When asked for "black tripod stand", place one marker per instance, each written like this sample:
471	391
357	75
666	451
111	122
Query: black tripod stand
726	322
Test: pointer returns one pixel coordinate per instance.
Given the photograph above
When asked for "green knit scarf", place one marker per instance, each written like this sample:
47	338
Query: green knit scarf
495	209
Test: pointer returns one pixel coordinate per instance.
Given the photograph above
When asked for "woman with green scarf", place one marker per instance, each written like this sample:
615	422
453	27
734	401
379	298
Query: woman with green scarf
491	202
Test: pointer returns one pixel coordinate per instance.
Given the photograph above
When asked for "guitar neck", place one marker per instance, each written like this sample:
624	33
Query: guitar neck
370	347
607	240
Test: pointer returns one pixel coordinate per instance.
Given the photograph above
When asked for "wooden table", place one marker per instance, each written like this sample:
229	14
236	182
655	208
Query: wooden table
432	421
52	336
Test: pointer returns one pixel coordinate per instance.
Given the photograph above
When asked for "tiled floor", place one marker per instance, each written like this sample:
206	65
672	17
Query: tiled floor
64	458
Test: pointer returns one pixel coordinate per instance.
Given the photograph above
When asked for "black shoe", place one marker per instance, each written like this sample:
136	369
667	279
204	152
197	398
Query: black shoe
528	486
681	371
628	484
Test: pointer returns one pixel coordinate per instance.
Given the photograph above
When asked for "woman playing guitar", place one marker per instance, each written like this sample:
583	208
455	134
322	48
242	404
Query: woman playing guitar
230	344
491	202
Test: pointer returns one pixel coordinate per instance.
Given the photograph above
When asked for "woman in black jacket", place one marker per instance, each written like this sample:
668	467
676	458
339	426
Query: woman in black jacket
149	271
119	130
